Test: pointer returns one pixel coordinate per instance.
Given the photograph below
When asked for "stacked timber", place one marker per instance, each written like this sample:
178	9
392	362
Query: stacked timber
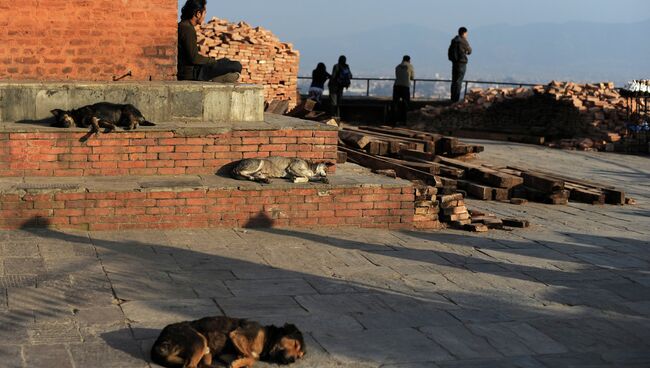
565	114
266	60
443	162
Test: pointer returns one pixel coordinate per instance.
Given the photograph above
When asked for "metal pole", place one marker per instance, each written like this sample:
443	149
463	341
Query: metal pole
466	84
414	85
368	88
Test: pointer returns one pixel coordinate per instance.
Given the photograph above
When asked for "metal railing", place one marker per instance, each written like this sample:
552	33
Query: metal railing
424	80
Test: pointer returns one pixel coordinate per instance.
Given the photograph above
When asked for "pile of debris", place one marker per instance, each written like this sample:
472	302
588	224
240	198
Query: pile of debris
266	60
566	114
440	165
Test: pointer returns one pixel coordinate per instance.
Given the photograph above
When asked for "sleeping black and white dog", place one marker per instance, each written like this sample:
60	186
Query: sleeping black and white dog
101	115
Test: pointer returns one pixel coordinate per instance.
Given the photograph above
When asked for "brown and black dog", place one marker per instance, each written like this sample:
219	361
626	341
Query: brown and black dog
101	115
197	343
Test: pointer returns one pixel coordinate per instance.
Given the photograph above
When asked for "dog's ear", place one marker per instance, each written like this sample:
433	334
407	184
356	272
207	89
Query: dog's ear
329	163
57	112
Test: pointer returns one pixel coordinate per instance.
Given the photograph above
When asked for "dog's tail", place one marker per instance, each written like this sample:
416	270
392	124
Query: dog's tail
147	123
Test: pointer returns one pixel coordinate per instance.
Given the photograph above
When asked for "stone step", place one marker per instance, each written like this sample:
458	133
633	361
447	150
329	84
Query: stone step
158	101
354	197
36	149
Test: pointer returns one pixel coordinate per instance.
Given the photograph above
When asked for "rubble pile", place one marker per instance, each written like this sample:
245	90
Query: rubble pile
266	60
566	114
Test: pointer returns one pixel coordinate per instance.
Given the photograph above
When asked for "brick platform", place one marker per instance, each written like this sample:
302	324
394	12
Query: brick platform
354	198
168	149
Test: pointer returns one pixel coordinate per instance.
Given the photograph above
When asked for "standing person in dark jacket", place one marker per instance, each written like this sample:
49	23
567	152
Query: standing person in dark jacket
318	78
340	80
404	74
458	51
191	64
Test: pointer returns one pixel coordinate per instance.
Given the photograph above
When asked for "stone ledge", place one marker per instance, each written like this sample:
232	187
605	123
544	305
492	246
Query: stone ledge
180	127
349	175
158	101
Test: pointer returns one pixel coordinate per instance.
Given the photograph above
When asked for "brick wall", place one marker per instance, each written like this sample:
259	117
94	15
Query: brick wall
152	153
87	40
379	207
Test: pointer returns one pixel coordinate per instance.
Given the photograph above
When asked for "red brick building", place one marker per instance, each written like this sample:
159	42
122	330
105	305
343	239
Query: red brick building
88	39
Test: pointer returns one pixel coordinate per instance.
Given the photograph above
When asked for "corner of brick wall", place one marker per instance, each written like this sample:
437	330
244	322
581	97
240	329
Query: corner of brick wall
88	40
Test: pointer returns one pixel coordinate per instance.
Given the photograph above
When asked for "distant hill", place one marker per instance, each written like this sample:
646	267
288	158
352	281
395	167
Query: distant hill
537	52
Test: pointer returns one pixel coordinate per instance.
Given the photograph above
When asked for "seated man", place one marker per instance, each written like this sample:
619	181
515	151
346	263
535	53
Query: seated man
192	65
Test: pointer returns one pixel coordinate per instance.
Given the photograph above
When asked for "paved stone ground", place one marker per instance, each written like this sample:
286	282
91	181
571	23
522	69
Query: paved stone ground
572	291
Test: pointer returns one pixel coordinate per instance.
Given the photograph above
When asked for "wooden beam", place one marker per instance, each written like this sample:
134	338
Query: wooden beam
355	139
380	163
483	174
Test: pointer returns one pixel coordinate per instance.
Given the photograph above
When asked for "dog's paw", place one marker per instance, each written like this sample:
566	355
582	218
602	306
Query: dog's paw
325	180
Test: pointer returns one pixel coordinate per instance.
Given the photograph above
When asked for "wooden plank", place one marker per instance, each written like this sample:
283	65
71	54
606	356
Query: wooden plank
560	197
585	195
416	144
542	182
516	223
389	131
500	194
477	191
407	154
495	136
341	157
613	195
378	148
483	174
430	167
380	163
355	139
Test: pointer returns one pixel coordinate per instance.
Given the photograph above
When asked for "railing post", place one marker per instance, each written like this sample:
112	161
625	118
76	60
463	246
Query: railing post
466	84
414	85
368	87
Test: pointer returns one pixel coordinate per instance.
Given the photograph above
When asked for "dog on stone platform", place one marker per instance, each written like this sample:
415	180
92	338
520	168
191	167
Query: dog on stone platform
197	344
263	169
101	115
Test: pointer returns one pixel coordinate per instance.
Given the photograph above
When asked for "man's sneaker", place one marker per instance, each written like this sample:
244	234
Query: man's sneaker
227	78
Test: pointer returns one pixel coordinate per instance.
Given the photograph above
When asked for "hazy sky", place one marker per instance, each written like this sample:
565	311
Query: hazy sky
294	19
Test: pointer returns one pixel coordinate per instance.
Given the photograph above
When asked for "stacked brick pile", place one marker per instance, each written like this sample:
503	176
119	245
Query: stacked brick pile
266	60
426	208
586	116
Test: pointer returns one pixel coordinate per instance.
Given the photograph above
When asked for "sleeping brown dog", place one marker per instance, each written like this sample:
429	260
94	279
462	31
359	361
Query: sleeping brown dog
197	343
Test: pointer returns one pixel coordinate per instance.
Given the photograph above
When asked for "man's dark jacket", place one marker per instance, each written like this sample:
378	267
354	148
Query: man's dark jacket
458	50
189	59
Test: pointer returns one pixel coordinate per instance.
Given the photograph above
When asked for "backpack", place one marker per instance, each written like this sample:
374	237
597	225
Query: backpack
344	77
451	53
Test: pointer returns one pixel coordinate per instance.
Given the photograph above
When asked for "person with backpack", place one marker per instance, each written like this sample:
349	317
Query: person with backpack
404	74
318	78
458	51
191	64
340	80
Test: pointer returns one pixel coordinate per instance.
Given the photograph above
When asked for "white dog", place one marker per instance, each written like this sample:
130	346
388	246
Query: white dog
264	169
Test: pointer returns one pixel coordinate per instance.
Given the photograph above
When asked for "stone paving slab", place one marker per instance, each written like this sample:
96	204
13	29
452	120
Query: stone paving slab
571	291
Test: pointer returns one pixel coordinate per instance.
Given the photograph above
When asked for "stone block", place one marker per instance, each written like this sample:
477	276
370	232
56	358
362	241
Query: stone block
182	104
217	105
